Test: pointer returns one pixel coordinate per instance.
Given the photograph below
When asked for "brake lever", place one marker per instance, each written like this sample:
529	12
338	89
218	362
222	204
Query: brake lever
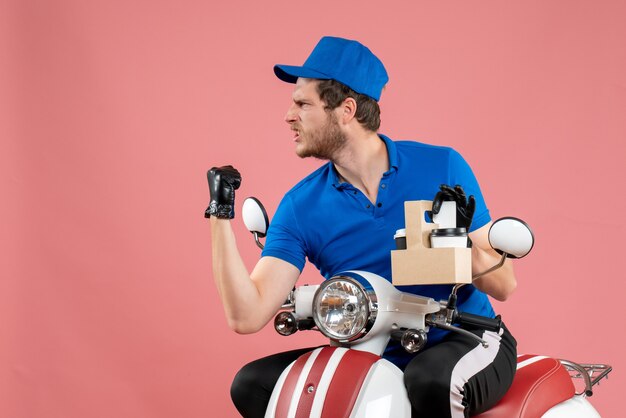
462	331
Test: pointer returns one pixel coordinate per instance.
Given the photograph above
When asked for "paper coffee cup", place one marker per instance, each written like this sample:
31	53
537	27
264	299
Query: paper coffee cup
400	238
448	238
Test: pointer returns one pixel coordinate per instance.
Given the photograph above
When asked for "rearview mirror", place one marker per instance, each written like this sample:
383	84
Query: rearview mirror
511	236
254	216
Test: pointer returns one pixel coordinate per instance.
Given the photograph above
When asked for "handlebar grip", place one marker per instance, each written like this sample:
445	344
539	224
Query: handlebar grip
478	321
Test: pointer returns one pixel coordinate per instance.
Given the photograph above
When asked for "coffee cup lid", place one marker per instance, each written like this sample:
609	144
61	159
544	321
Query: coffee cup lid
449	232
400	233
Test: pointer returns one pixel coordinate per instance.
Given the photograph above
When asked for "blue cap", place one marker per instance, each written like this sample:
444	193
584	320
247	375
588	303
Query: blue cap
348	62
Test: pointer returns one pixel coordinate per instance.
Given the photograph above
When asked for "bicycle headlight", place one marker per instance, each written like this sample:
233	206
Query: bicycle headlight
343	309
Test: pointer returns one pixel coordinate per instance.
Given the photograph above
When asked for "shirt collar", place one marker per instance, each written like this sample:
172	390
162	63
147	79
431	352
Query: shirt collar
392	152
333	176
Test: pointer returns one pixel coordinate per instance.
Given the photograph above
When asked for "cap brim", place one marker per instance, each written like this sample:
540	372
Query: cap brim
291	73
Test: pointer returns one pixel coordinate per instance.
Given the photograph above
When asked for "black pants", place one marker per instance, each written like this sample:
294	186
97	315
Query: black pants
455	378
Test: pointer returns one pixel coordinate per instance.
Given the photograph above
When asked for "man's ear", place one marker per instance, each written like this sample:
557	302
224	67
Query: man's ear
348	110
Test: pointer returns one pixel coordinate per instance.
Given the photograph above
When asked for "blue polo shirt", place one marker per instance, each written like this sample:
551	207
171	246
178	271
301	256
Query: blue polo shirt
337	228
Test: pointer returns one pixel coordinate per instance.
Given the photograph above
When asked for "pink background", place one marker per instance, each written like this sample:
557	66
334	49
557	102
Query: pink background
111	112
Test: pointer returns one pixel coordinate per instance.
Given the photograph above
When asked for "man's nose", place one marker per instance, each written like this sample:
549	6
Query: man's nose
291	115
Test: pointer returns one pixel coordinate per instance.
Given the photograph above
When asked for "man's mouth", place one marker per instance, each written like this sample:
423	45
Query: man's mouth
296	135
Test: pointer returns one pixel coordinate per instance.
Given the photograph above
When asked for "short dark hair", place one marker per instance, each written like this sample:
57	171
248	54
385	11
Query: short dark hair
333	93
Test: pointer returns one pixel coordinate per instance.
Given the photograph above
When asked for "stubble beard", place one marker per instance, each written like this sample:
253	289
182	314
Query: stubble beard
323	143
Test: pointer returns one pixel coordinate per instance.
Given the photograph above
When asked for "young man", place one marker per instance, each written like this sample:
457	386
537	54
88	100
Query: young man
343	217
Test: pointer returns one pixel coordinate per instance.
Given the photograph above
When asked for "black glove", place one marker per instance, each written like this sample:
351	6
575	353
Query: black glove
223	181
464	207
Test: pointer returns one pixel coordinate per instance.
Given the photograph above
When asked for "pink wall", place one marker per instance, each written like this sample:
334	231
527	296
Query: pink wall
111	112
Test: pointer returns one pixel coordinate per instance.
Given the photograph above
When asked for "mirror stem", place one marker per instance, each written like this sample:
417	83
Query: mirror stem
497	266
256	239
476	276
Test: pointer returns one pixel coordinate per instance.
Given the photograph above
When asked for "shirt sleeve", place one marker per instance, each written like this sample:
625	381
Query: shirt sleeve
462	174
284	239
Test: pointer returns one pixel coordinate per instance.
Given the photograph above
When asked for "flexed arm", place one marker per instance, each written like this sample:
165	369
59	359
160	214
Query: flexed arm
250	299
